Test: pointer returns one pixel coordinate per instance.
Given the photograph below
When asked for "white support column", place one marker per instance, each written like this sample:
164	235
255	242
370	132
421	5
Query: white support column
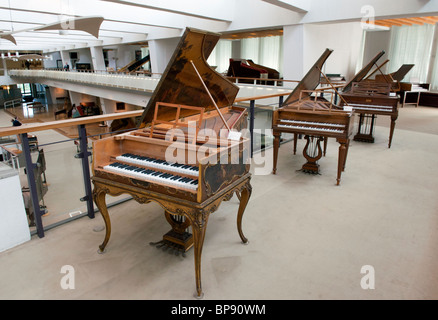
293	52
97	59
161	51
5	68
65	57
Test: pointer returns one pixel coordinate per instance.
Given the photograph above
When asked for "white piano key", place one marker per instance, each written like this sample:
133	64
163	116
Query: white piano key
153	176
309	128
191	170
325	124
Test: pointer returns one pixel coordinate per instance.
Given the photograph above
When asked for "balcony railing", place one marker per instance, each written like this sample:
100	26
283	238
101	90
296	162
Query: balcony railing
28	154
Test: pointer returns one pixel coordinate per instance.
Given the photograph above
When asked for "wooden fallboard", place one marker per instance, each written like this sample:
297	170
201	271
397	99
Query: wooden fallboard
371	100
324	117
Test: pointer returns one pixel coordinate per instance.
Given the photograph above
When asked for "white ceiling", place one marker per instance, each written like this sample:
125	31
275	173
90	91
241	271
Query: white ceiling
131	21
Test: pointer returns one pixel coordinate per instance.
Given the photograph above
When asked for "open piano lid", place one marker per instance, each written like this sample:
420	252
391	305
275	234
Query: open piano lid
310	81
402	72
362	73
180	84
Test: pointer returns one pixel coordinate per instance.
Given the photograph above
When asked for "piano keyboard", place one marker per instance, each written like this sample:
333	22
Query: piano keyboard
159	164
358	106
153	176
313	126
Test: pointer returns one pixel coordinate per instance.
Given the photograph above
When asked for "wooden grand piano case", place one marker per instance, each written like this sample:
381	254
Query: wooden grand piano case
223	166
317	120
372	98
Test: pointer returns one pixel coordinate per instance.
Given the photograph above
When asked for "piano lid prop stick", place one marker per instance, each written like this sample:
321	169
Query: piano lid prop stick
231	134
331	85
377	69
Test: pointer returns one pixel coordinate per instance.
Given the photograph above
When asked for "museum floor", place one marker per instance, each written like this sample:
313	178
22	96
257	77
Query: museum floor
308	238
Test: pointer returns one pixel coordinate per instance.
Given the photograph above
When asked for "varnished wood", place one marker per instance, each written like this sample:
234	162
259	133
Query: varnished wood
196	213
222	165
305	106
33	127
369	99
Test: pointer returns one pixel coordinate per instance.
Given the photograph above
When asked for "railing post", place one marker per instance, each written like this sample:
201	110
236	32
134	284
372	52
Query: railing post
32	185
83	155
280	101
251	124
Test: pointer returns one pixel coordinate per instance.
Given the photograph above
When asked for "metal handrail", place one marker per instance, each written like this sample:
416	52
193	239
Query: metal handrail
12	103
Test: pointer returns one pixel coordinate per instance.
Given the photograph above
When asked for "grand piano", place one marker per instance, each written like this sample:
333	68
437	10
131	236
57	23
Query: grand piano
369	99
183	155
395	78
306	113
246	68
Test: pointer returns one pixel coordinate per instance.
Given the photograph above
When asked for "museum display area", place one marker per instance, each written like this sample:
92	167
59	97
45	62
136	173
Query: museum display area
244	151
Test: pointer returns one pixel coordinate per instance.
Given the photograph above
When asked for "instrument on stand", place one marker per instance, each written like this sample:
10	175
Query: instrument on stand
305	113
173	158
370	98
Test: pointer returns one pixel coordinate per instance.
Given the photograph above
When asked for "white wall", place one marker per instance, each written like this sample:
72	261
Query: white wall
347	10
161	51
304	44
345	40
125	54
375	42
293	52
52	63
14	228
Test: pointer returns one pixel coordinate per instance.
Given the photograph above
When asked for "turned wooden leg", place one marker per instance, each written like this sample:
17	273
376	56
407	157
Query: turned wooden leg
341	160
245	195
391	130
295	143
99	198
346	154
276	146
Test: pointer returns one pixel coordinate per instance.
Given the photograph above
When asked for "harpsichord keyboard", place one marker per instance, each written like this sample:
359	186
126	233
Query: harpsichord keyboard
153	176
311	125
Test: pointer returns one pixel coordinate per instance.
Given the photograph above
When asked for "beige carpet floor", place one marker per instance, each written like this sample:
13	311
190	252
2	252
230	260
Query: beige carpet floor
308	238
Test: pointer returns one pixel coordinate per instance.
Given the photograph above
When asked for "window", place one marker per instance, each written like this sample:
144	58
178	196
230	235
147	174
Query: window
265	51
411	45
220	56
25	89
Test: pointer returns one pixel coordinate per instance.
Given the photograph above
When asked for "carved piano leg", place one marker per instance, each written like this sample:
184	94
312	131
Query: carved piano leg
341	159
199	221
244	198
99	198
391	130
325	145
276	146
